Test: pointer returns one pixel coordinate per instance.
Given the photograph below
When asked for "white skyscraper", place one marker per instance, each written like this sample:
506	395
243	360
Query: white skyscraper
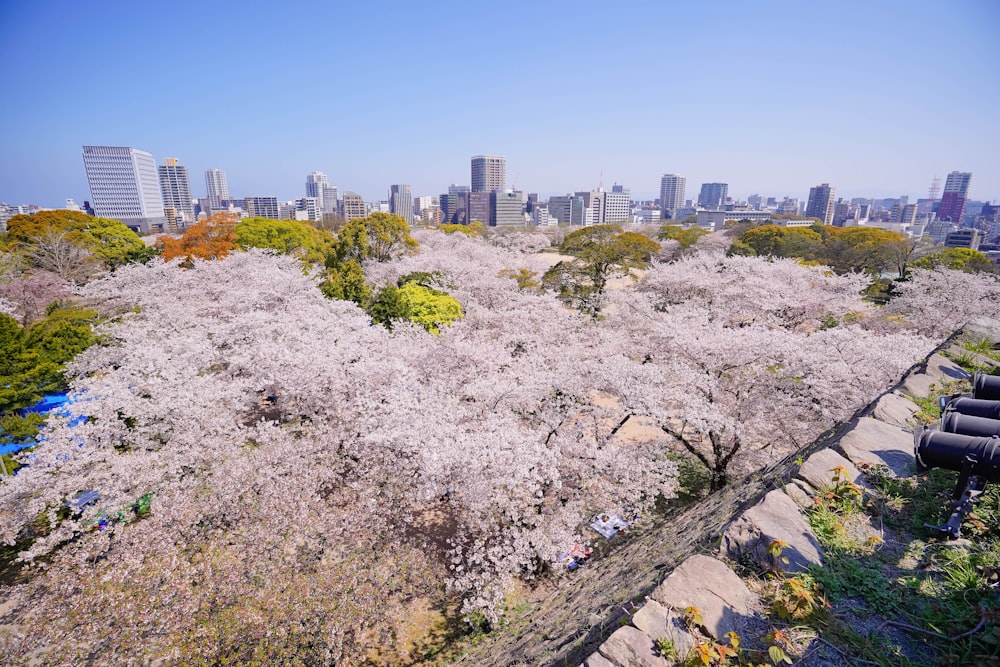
401	201
316	183
124	186
175	189
671	193
216	187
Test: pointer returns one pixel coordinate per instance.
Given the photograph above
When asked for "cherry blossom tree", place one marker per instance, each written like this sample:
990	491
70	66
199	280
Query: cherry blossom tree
312	474
939	301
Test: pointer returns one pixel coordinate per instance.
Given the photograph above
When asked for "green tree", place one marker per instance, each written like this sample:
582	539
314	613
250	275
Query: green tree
32	360
958	259
289	237
686	237
346	281
761	241
419	303
474	229
598	253
380	236
109	240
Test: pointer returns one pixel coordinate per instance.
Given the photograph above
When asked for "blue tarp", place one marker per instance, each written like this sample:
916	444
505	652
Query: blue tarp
48	403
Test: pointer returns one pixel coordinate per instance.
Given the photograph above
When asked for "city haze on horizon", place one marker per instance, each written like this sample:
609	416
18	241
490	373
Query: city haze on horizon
771	98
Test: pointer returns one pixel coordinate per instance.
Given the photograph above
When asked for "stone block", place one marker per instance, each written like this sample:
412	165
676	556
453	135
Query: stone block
799	494
817	471
939	371
630	647
876	442
658	621
704	582
775	518
597	660
896	410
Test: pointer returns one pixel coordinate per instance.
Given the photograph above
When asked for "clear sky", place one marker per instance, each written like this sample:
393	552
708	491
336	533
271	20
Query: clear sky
875	97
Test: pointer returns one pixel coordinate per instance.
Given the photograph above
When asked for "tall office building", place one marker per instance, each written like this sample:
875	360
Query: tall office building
506	208
175	189
458	189
671	193
124	186
401	201
354	206
820	203
489	172
217	188
713	195
330	197
316	183
956	190
479	208
617	206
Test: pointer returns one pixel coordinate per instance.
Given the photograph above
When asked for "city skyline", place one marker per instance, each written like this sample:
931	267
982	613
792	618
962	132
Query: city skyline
799	96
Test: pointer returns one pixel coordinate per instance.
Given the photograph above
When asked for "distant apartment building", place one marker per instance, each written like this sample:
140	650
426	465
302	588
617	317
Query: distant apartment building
956	191
842	211
217	189
401	201
671	193
820	203
175	190
458	189
124	186
713	195
354	206
262	207
316	185
489	172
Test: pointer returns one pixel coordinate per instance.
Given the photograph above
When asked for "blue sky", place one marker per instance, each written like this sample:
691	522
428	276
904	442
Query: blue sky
772	97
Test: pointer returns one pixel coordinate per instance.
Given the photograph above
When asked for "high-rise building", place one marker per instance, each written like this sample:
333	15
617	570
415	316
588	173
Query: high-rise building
354	206
316	183
216	188
506	208
308	208
617	206
330	198
422	203
671	193
458	189
592	212
820	203
124	186
262	207
956	191
489	172
401	201
175	189
713	195
479	208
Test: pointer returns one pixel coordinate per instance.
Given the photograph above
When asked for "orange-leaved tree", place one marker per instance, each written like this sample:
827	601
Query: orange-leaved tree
212	238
